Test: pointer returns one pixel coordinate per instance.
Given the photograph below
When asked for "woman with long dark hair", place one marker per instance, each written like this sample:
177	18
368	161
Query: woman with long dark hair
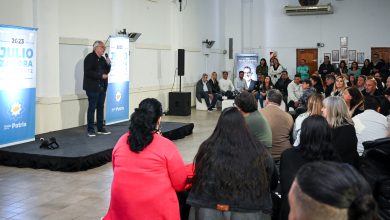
316	81
148	169
354	100
352	81
232	173
262	68
264	88
315	144
355	70
342	68
367	68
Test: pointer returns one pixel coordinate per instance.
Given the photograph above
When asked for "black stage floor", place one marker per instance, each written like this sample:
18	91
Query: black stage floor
77	151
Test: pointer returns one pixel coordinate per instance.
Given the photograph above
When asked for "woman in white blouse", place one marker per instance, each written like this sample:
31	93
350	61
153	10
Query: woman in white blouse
275	71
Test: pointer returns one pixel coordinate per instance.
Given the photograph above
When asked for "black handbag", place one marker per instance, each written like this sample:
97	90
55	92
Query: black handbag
50	144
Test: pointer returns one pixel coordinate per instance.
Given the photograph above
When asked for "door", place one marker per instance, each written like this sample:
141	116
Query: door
380	53
311	56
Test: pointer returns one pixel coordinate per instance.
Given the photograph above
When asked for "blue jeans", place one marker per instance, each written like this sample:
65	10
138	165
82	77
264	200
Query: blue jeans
95	102
260	98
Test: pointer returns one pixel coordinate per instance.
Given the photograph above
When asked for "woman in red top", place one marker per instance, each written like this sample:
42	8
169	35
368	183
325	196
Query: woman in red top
148	170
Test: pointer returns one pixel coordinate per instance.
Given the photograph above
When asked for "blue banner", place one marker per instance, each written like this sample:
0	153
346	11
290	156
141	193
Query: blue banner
117	109
17	84
118	81
247	63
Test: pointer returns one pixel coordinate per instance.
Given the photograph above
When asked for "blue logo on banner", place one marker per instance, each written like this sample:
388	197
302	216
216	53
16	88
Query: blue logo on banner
117	102
17	115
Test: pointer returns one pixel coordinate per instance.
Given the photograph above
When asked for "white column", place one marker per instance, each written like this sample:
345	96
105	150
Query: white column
48	74
46	19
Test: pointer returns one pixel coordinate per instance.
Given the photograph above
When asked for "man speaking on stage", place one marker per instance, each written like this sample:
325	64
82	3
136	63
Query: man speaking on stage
96	69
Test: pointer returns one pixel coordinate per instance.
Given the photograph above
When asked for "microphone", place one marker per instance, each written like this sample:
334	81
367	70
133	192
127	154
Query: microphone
106	55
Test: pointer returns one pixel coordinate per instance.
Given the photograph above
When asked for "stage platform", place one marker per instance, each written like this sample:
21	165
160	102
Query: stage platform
77	151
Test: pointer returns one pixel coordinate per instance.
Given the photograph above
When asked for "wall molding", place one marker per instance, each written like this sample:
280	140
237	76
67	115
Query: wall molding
82	96
153	46
76	41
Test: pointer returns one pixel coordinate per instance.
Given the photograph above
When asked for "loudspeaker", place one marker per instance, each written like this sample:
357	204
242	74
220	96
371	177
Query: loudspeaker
180	62
230	48
180	103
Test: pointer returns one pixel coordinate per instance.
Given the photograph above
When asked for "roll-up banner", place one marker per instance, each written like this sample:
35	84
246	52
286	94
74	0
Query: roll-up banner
246	63
118	81
17	84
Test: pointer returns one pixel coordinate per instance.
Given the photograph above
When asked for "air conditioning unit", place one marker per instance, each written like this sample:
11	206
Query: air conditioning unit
309	10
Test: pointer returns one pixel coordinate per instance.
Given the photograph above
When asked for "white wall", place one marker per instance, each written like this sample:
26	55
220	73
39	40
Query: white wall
363	22
67	29
16	12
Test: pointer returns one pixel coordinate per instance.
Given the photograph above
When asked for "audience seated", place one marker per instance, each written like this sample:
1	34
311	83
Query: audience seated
316	145
361	81
282	84
329	82
352	82
344	137
281	123
329	190
339	86
204	91
375	167
307	90
385	103
264	88
148	169
370	124
354	70
225	84
232	177
275	70
257	124
316	82
354	100
294	91
213	81
370	88
255	89
240	83
367	68
342	68
379	80
215	88
314	107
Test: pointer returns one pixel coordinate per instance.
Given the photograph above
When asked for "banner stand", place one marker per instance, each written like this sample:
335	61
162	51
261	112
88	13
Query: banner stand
117	109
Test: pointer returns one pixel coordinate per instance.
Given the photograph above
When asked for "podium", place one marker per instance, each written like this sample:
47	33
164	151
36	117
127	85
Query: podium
180	103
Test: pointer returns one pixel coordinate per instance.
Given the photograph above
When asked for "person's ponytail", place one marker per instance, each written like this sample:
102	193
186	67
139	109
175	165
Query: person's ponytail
143	124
